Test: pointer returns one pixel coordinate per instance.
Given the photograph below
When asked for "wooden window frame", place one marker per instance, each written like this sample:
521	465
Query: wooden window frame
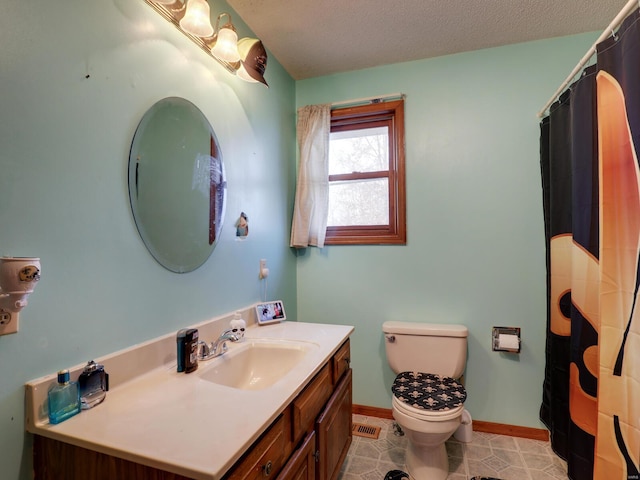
389	114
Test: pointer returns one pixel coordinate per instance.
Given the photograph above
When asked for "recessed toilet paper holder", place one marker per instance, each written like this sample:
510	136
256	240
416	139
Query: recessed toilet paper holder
506	339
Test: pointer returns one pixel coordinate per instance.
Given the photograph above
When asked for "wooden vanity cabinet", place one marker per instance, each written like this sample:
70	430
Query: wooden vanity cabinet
321	426
308	441
333	422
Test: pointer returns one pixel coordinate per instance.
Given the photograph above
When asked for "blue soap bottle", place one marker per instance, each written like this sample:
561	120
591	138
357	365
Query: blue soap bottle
63	398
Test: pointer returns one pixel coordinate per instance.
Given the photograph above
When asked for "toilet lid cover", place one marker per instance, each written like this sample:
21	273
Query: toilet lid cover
428	391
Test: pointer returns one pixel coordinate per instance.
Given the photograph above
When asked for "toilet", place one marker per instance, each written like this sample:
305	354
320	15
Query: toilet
428	401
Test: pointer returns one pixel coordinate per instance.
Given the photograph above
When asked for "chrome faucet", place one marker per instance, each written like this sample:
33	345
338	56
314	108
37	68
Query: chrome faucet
217	347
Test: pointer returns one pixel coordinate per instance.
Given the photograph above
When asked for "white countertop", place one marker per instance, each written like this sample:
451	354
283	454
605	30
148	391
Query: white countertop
179	422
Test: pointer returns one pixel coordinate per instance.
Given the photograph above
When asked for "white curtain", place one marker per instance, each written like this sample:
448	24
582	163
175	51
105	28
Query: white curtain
311	208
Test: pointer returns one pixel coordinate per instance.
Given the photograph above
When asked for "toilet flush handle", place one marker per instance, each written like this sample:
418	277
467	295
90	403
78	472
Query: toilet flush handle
390	338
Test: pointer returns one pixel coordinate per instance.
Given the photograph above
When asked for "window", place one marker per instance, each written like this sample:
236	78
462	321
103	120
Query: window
366	175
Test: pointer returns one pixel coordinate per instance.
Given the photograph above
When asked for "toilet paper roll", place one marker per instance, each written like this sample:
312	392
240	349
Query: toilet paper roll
507	341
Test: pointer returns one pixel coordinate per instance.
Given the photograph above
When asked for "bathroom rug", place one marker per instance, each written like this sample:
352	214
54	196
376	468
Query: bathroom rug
400	475
396	475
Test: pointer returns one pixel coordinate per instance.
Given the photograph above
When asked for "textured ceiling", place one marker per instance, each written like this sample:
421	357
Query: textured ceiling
312	38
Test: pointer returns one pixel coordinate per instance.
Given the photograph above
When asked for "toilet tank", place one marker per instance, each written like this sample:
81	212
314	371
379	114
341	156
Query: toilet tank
426	347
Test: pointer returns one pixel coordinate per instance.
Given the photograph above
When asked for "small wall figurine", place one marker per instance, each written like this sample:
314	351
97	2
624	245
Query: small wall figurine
242	225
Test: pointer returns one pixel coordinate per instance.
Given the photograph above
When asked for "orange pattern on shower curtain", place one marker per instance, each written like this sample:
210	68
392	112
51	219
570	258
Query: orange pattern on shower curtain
575	270
585	288
560	282
618	434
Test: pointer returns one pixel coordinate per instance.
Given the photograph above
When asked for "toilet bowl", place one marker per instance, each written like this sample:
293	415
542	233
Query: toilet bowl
427	455
427	400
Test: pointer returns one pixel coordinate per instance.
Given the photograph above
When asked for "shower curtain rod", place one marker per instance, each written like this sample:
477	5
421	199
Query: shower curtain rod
374	99
624	13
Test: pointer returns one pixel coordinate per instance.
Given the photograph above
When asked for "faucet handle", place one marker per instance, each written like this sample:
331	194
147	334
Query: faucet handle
203	350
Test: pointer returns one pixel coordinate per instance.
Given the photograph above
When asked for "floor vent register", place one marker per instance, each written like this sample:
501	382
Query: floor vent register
367	431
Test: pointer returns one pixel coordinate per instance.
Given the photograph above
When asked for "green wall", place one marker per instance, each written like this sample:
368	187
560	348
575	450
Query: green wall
76	77
475	248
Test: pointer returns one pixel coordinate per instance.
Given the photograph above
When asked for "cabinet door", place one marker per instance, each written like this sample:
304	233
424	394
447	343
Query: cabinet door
334	431
55	460
302	465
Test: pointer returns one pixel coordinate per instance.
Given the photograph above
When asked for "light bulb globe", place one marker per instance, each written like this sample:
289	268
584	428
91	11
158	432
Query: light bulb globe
197	20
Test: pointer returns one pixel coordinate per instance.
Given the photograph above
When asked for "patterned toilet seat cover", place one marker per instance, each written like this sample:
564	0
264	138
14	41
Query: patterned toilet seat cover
428	391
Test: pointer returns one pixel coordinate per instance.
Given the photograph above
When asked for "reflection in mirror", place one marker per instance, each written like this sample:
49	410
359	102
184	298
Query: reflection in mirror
177	184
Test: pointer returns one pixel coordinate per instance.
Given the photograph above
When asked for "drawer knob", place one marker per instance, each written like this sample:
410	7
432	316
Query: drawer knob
347	360
266	469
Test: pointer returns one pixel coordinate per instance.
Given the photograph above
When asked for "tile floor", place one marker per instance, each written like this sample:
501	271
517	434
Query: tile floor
489	455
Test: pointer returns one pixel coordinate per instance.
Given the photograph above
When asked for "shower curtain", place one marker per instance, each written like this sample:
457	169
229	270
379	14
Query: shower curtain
591	196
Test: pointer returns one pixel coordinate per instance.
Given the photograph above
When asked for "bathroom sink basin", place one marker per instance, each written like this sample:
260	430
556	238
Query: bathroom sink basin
255	364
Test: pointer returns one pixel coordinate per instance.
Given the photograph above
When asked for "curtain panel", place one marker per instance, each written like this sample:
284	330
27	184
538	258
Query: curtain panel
309	223
591	198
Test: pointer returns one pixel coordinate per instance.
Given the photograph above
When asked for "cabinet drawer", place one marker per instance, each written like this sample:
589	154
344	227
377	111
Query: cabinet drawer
309	403
268	455
341	361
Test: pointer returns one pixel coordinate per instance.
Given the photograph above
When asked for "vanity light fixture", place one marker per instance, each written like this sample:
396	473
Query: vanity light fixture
245	58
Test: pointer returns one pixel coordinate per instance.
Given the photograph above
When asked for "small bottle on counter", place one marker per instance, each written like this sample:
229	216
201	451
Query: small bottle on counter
63	399
238	326
181	343
94	384
187	350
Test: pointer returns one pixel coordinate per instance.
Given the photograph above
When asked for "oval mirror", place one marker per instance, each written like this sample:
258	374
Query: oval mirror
177	184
